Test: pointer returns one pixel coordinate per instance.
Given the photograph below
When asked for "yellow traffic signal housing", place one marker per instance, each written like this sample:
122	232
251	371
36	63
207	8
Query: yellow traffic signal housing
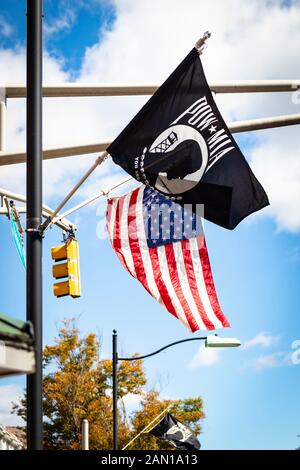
69	269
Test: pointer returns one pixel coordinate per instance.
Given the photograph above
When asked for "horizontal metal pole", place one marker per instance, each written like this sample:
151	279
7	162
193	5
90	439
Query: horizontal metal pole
264	123
119	89
62	223
21	210
11	158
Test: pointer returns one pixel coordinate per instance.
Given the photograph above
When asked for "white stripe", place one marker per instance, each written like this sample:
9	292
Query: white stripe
163	263
185	285
113	219
140	228
124	238
201	284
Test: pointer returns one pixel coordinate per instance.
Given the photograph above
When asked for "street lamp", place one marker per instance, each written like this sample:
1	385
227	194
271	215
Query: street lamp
211	341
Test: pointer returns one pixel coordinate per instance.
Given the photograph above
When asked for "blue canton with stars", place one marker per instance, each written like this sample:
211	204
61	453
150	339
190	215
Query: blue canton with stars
167	221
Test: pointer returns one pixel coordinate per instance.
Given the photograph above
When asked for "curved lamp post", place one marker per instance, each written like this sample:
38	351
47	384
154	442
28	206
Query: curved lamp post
211	341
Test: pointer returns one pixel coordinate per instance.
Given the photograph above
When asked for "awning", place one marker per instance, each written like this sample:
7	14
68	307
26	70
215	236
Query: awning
16	346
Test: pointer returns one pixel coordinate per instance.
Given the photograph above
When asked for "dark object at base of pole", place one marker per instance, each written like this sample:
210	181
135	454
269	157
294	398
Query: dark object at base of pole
34	215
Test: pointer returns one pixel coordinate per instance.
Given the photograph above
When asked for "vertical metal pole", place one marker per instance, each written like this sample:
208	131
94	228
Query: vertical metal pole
34	217
115	388
2	119
85	435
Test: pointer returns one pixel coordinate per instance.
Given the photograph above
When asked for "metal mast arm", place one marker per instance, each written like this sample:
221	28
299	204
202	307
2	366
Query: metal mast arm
136	358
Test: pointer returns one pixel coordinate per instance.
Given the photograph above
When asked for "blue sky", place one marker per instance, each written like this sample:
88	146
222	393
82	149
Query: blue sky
250	394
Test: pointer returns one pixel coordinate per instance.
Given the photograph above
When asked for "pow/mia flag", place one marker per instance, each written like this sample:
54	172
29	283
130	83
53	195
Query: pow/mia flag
171	430
179	145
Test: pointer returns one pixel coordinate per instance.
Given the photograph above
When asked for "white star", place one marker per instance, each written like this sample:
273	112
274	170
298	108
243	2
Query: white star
212	129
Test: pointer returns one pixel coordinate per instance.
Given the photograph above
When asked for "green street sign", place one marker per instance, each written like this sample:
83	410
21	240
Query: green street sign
18	240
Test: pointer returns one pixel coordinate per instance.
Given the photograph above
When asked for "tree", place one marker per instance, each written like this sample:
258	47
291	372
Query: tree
77	385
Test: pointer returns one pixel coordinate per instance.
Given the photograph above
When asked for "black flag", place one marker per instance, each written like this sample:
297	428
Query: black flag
179	145
180	436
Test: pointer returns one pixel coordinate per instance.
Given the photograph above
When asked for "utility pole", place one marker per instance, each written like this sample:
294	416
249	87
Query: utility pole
34	217
115	388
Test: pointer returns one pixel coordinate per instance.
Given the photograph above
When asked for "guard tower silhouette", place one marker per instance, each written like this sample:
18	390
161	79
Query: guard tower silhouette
163	146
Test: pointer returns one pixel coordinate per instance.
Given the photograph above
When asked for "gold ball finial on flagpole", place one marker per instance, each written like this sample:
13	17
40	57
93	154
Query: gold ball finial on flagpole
200	44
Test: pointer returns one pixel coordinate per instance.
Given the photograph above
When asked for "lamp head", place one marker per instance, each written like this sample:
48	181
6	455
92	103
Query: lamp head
213	341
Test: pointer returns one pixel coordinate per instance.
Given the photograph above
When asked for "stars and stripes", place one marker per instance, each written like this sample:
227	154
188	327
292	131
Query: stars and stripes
162	245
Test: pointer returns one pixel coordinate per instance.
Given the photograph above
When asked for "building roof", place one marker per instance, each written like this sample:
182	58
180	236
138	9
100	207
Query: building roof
19	433
14	329
14	436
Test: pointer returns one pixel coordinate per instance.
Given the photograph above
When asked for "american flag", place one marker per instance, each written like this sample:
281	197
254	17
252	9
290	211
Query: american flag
162	245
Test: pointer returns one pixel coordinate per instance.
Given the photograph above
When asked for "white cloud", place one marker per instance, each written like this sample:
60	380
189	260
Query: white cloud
6	28
8	394
205	357
132	401
144	47
63	22
261	339
270	361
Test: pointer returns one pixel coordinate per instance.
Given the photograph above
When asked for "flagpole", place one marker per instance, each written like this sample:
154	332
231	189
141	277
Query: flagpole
148	425
200	44
95	165
103	192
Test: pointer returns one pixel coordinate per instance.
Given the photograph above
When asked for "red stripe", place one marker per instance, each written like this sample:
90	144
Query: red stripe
117	238
134	241
116	241
188	262
209	282
172	266
161	286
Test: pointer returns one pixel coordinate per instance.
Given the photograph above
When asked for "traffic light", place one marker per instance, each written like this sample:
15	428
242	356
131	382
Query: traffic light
69	252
